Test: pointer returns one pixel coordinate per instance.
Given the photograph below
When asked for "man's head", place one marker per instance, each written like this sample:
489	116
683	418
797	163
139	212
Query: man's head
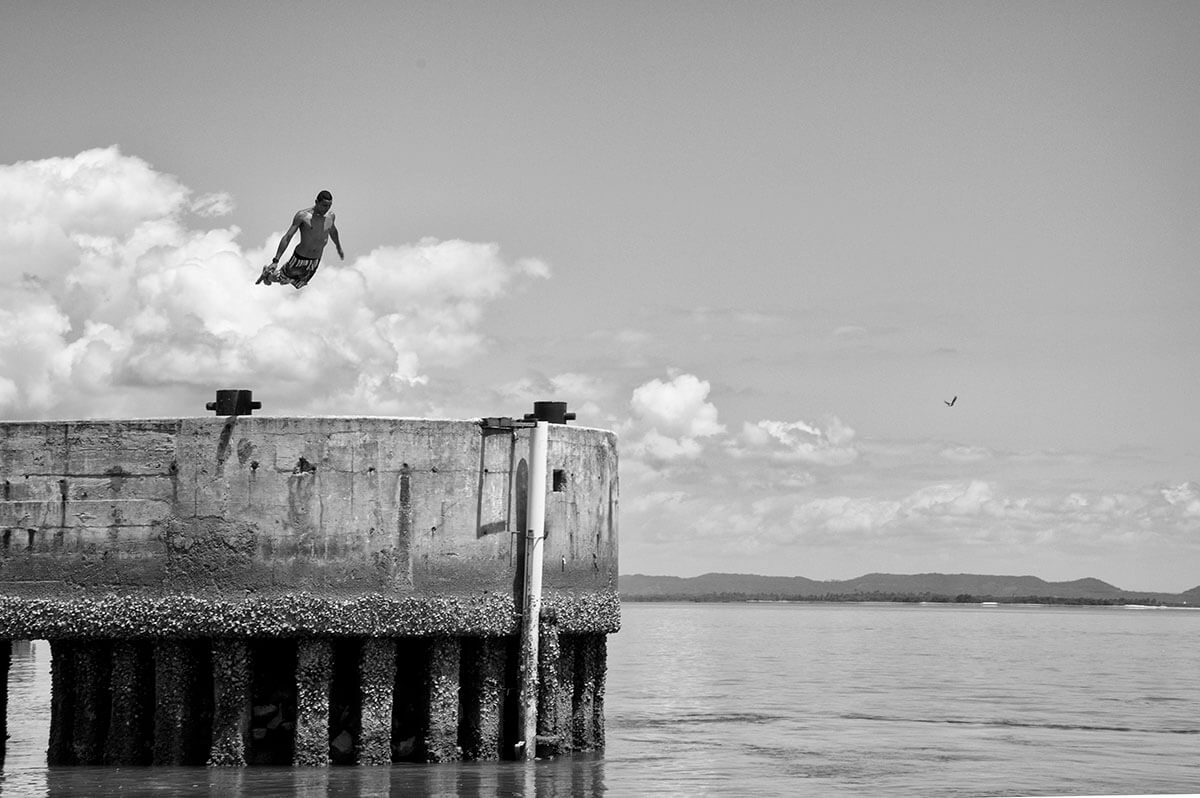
323	203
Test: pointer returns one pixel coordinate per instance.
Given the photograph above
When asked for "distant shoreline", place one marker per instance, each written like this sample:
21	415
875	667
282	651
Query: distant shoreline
932	588
1022	601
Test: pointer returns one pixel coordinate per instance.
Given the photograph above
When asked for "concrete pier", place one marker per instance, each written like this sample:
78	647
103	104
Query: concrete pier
247	590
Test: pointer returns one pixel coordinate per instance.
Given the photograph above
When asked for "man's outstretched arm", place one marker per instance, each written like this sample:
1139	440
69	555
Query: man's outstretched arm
337	242
287	237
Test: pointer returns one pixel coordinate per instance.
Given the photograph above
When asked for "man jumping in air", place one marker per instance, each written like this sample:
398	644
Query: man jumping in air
316	225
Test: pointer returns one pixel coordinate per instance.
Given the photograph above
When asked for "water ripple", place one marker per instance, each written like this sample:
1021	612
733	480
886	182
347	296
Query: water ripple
1018	724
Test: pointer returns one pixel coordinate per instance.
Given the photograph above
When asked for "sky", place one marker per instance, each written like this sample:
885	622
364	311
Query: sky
764	243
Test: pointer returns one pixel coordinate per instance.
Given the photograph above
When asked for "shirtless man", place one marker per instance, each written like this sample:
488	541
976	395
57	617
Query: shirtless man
316	225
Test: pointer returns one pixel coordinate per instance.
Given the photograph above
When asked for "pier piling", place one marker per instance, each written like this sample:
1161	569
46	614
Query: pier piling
377	674
231	664
183	693
441	700
131	714
6	647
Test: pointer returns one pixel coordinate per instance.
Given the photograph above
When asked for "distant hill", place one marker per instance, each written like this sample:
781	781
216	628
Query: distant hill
887	587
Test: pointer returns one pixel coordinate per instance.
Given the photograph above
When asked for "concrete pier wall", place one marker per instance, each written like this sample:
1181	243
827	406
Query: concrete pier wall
161	558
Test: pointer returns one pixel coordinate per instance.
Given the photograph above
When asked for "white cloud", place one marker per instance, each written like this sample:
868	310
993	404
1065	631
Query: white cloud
798	441
532	267
961	499
680	406
1185	498
209	205
671	417
111	293
97	192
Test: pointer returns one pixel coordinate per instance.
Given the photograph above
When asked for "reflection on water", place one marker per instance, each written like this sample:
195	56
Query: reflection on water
28	705
574	776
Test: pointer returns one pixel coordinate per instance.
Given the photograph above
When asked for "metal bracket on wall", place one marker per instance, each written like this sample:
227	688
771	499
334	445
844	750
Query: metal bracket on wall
505	423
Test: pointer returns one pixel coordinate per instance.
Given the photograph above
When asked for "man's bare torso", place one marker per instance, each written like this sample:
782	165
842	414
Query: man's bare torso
314	232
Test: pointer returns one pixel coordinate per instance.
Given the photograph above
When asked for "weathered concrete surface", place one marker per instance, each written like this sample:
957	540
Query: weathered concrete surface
212	527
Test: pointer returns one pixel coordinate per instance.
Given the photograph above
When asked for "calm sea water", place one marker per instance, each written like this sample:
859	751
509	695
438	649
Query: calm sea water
796	700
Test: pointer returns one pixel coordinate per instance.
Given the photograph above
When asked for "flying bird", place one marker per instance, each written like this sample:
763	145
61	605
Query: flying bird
951	402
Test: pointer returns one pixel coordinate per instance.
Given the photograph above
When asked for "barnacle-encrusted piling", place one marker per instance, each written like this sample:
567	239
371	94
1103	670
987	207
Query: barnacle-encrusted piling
90	721
589	692
62	702
377	677
314	672
566	692
554	698
246	590
5	663
483	661
182	702
231	702
441	702
598	646
130	722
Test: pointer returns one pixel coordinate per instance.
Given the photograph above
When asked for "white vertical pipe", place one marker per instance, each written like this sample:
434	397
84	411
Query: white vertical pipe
534	538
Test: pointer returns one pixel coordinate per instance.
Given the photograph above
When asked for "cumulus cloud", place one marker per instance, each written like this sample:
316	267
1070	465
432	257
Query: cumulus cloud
674	436
110	292
671	417
680	406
